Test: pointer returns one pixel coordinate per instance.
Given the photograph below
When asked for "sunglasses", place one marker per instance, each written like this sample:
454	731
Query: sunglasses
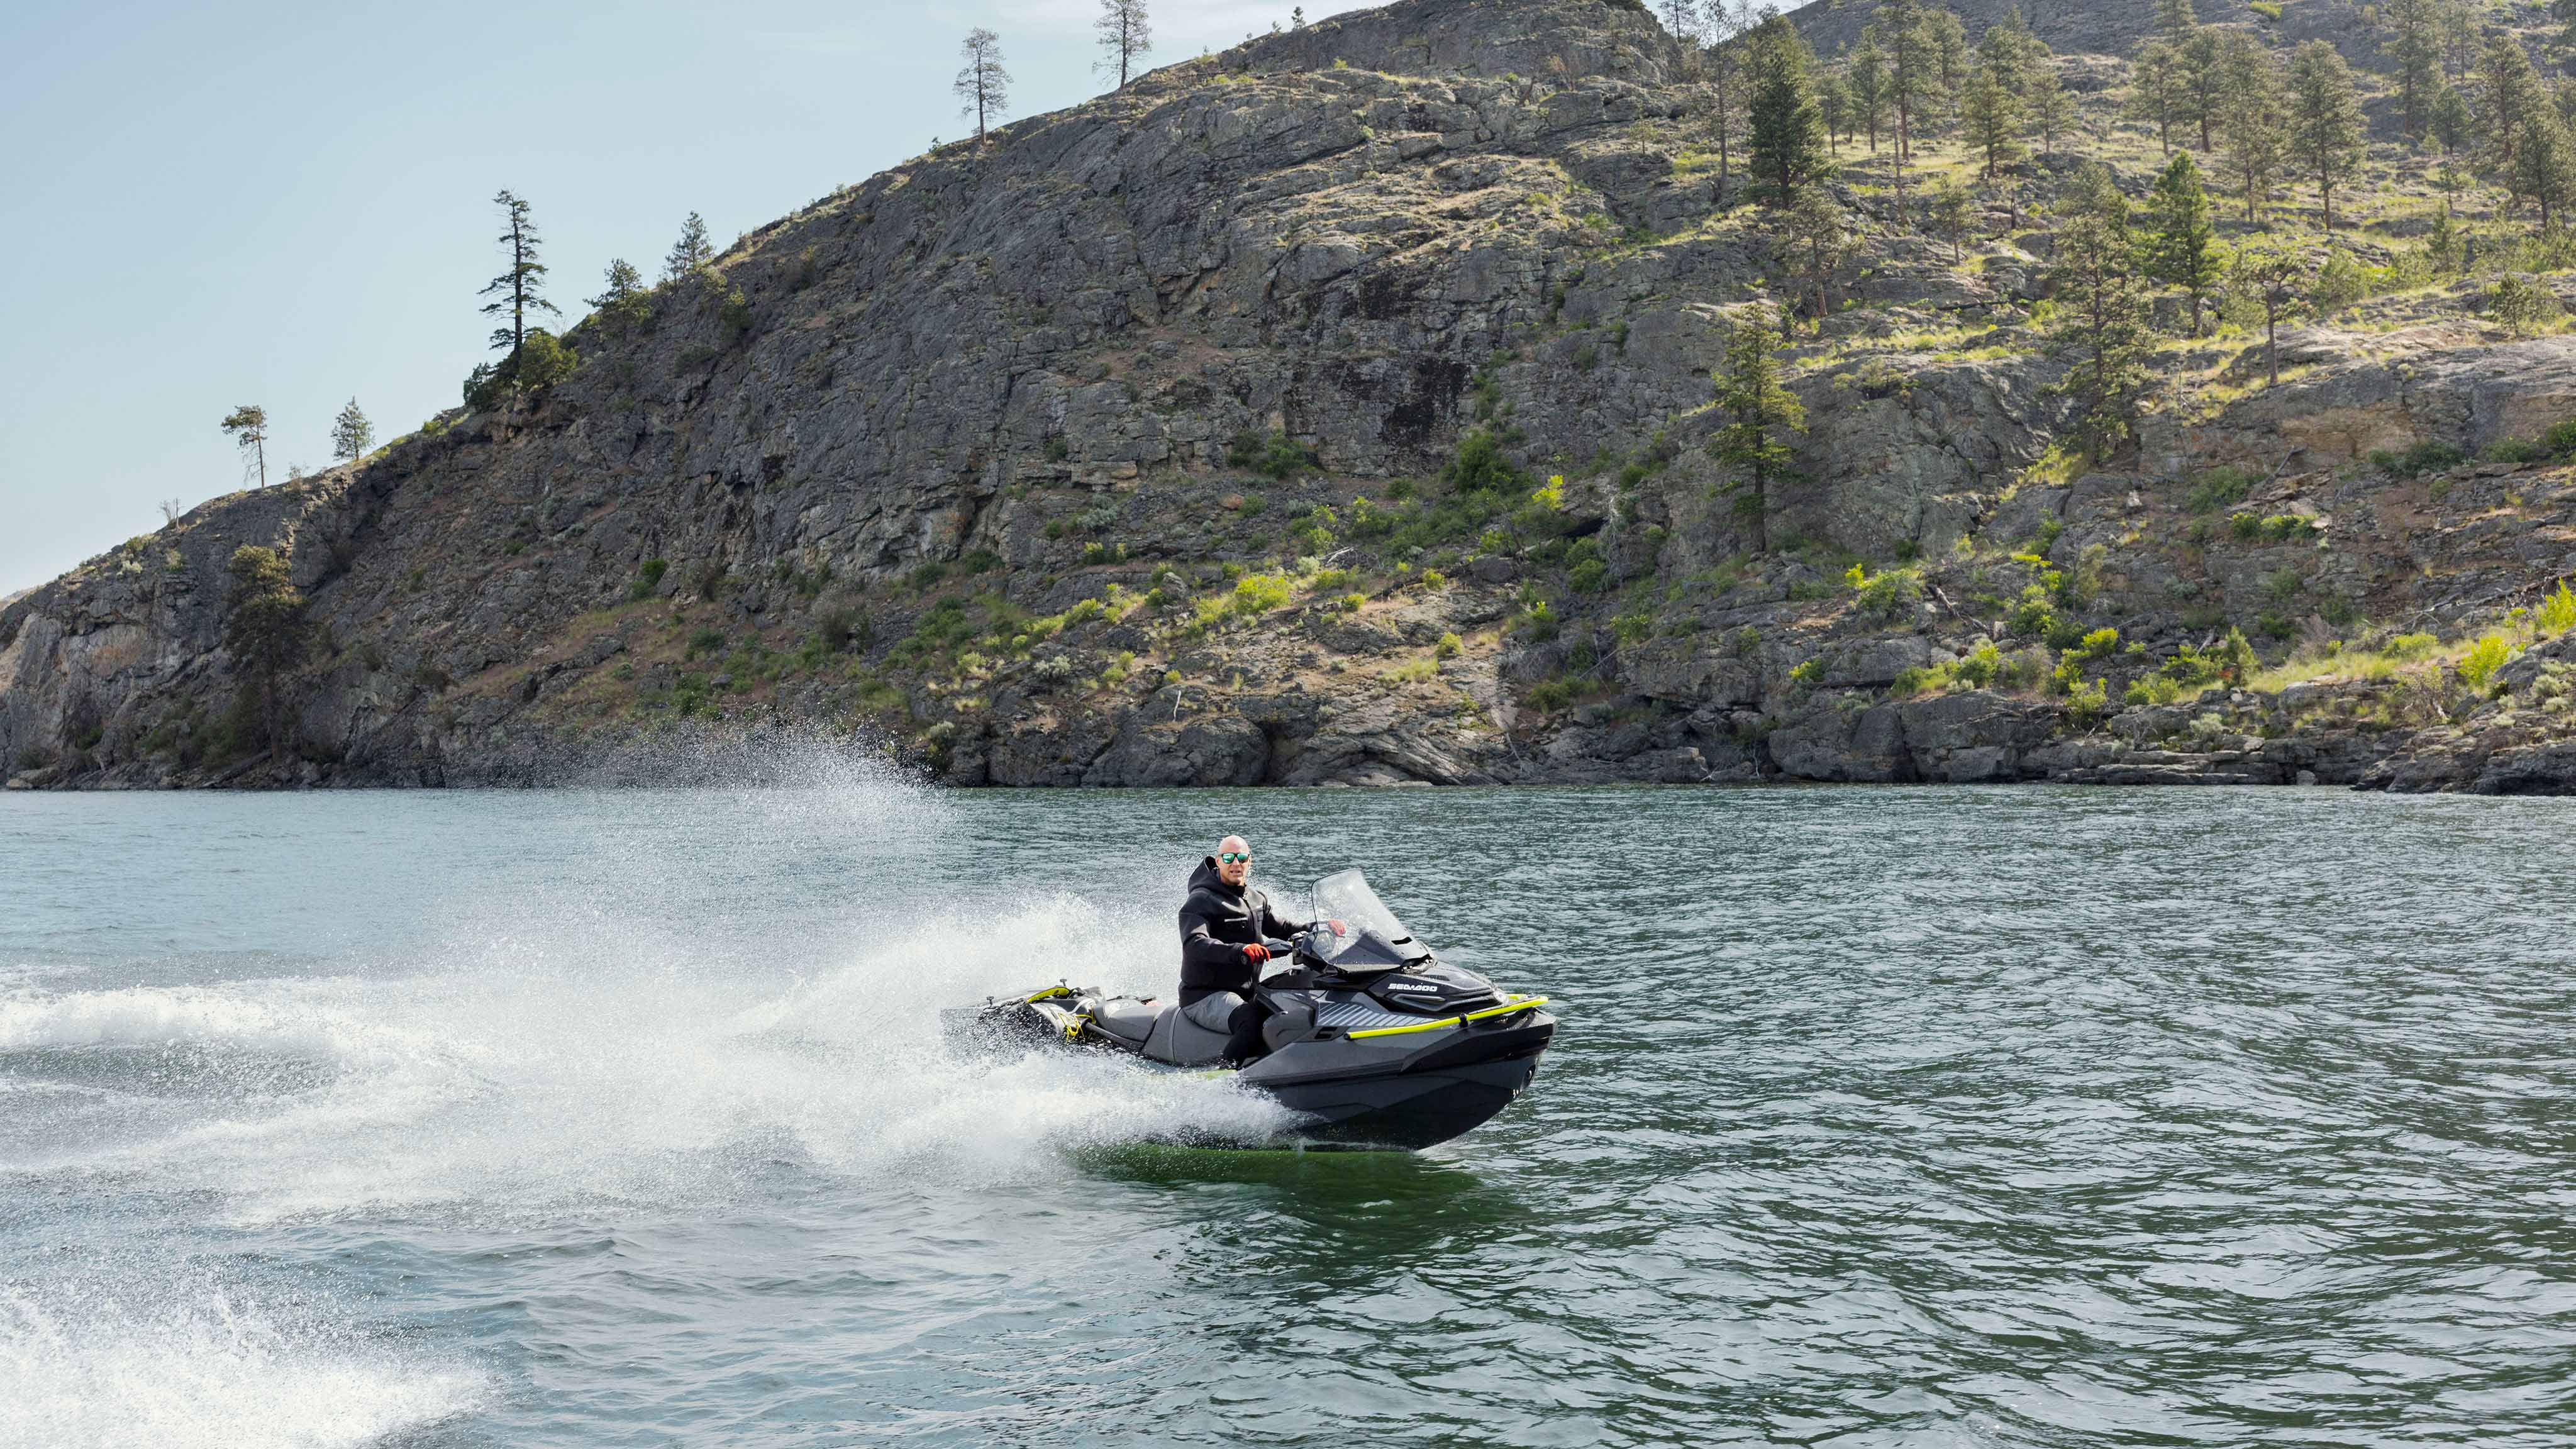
1234	857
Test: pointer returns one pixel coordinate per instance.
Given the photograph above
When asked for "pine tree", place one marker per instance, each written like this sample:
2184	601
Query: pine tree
1993	115
2105	317
2182	250
2174	19
1834	104
983	86
2325	121
1125	34
1900	32
2156	96
622	299
2202	79
514	293
2511	91
2008	51
351	434
1869	91
2052	110
1725	27
1681	17
1763	414
1949	41
2272	273
690	252
1818	243
2414	44
1786	149
2256	129
248	427
2451	128
2544	164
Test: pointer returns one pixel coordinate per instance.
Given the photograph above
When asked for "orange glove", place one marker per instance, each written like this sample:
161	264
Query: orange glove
1256	953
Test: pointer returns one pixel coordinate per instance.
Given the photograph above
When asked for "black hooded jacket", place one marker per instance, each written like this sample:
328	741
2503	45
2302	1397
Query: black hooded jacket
1217	922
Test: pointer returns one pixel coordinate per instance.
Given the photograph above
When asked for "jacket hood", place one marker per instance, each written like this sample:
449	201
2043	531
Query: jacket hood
1205	878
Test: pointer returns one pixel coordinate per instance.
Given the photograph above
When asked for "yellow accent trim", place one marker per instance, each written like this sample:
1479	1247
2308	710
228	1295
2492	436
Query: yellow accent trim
1049	992
1506	1009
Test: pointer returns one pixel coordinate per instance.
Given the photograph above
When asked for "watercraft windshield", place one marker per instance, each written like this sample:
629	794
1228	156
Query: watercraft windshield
1374	936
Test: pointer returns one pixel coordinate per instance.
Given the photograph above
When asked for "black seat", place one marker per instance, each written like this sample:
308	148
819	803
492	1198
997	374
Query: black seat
1127	1019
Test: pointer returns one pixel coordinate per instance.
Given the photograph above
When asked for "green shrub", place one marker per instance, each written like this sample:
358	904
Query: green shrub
735	314
2560	441
1807	672
2433	457
1448	647
647	579
839	629
2558	612
2478	667
2522	306
1261	593
706	641
1981	666
2098	644
2517	451
2035	615
1434	579
543	359
2413	646
1273	455
1888	597
1552	695
945	626
1482	467
2245	526
981	561
929	575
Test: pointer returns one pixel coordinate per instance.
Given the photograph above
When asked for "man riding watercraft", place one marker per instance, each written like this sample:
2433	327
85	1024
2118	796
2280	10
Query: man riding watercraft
1228	931
1363	1036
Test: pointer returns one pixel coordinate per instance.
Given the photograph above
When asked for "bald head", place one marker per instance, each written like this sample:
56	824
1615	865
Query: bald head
1234	860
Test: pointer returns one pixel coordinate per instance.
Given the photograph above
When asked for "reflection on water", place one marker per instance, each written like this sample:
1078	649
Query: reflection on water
1877	1118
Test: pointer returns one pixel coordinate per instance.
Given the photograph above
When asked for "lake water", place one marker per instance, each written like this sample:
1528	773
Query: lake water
1877	1117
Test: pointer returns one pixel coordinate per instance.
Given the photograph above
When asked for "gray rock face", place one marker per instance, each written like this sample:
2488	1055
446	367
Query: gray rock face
1011	461
2471	397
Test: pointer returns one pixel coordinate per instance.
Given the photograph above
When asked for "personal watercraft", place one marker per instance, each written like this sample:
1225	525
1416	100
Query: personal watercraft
1373	1041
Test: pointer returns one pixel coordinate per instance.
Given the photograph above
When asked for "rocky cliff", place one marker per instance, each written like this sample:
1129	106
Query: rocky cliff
1335	410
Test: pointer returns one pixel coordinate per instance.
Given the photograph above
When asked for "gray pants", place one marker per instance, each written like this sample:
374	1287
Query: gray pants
1216	1013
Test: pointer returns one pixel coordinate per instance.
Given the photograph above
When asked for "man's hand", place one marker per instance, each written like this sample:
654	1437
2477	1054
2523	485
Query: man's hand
1338	928
1255	954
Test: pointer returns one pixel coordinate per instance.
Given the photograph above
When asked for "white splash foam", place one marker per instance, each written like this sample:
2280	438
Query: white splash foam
545	1071
213	1374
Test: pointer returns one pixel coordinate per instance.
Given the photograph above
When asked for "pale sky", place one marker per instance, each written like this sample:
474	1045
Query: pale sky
289	204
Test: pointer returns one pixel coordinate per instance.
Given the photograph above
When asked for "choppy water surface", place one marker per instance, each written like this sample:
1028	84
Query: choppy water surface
1878	1117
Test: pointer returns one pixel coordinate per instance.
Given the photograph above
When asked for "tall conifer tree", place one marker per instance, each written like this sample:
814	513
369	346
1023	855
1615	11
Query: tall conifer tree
1786	149
2183	251
2325	137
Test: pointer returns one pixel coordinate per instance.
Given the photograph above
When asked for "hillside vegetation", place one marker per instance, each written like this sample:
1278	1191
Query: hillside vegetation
1479	391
